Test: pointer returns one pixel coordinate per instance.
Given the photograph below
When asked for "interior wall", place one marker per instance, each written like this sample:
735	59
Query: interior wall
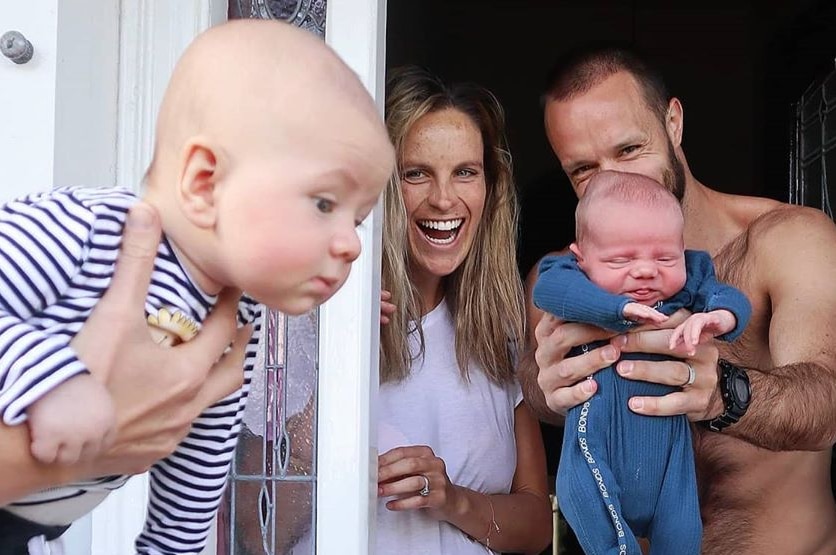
736	65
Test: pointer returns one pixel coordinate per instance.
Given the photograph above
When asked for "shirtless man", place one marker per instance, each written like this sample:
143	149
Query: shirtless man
765	480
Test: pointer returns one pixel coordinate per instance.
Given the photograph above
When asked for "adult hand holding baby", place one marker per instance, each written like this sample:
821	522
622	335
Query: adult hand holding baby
563	382
157	391
699	400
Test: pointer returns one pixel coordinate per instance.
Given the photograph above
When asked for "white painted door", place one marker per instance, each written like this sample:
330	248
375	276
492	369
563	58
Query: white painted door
58	111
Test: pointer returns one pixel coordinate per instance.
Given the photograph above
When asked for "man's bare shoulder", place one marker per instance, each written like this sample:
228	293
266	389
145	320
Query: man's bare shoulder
792	239
746	209
789	226
773	235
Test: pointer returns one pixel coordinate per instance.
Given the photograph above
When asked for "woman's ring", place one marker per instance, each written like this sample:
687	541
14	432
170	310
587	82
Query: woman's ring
692	375
425	491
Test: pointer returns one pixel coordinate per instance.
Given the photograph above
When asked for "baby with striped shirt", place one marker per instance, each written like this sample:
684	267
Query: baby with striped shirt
268	153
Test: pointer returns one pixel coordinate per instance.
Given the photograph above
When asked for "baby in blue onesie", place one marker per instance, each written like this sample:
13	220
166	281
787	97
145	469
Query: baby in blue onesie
624	475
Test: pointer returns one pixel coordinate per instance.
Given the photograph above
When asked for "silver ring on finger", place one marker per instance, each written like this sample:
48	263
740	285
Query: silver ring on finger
424	491
692	375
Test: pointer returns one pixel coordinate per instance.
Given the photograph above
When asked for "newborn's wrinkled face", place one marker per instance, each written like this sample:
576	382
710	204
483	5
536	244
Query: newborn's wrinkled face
443	183
637	252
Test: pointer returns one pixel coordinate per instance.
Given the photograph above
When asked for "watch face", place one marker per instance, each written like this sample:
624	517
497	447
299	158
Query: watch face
741	390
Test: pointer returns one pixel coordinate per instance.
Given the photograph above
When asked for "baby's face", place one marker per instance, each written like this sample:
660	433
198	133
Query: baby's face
638	253
287	226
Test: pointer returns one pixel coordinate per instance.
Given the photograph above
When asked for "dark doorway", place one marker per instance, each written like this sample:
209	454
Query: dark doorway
737	65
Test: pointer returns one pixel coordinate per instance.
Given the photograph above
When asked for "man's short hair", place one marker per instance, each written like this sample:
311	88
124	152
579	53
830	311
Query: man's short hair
580	69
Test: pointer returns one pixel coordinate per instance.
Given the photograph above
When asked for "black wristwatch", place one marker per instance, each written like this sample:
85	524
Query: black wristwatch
736	392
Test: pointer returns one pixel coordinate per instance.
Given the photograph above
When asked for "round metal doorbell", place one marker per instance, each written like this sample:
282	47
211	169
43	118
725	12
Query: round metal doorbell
16	47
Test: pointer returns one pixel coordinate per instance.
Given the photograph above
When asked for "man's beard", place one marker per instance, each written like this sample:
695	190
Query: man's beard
673	177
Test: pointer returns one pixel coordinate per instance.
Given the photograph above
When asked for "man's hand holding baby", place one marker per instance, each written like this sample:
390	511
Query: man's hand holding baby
562	379
699	401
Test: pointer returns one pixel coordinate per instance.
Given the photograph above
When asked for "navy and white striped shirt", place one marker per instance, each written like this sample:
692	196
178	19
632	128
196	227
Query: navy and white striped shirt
57	254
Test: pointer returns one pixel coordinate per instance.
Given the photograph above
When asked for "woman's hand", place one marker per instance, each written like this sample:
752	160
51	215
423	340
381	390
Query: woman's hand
386	308
401	473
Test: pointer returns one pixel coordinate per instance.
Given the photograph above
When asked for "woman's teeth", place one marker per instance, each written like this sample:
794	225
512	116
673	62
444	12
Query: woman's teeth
441	232
442	225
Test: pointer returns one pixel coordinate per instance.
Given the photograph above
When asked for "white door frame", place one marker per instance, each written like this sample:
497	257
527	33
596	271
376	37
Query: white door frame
350	330
153	34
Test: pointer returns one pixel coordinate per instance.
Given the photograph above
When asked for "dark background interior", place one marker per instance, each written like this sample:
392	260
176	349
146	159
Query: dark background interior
737	65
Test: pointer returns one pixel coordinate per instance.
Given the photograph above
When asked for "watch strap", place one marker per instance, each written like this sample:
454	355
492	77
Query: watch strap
732	410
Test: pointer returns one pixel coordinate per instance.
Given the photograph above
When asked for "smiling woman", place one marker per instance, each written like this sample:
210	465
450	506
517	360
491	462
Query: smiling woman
443	187
448	352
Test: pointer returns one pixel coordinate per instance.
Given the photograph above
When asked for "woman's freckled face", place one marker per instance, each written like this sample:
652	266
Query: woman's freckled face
444	190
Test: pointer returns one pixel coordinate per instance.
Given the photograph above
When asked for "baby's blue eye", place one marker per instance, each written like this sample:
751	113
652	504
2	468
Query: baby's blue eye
324	205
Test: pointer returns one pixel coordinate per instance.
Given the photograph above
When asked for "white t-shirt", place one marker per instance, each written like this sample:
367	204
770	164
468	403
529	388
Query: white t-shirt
470	425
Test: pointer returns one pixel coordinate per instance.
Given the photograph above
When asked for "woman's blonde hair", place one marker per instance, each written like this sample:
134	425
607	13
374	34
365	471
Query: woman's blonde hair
484	294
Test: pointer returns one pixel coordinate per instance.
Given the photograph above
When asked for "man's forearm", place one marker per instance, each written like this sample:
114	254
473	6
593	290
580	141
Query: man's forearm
527	374
20	473
793	409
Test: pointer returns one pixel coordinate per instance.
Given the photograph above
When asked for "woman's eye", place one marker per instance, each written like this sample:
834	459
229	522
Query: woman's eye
324	205
465	173
412	175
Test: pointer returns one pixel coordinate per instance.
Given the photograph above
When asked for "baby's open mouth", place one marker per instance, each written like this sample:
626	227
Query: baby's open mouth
441	232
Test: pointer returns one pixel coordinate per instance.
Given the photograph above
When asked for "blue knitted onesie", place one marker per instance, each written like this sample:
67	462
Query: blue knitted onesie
623	475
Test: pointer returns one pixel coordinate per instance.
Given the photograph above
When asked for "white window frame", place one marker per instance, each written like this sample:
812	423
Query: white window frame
153	34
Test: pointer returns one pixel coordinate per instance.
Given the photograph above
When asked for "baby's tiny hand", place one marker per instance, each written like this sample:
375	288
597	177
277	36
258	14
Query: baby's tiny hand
643	314
73	422
699	327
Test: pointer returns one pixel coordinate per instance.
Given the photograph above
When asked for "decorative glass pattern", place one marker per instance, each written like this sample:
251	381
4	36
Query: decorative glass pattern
813	151
307	14
269	506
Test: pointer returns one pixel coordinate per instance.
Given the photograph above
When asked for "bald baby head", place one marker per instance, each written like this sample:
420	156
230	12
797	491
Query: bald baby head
260	84
269	152
626	190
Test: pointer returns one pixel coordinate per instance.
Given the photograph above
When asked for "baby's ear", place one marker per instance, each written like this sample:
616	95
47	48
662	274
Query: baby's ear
576	250
196	190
